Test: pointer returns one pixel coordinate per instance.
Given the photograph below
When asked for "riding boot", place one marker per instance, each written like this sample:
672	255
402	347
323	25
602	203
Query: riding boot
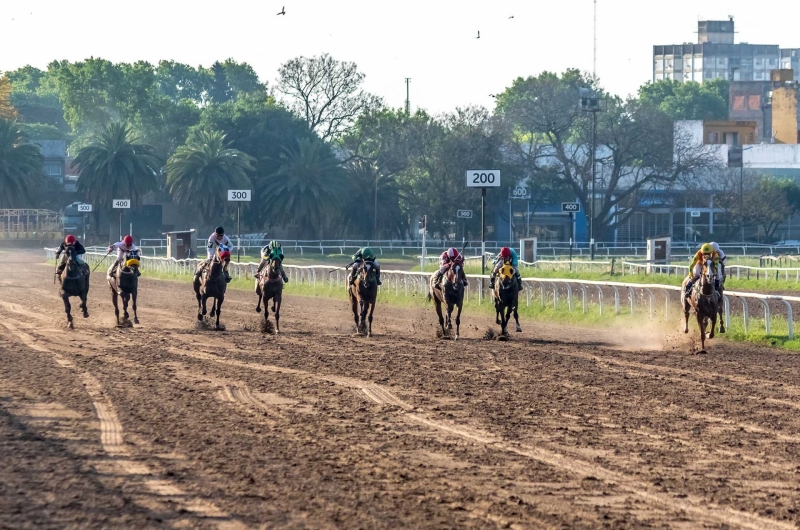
463	277
227	276
491	281
283	275
519	281
689	286
378	276
138	273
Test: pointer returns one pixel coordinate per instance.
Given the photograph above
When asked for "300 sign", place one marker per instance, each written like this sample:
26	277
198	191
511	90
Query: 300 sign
239	195
483	178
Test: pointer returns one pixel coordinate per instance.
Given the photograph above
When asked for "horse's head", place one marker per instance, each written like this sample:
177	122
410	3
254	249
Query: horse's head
707	279
506	274
275	268
367	273
453	276
132	259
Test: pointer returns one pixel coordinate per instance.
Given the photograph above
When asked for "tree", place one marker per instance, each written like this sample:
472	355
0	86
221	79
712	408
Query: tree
688	101
7	111
638	149
365	179
326	93
116	166
35	96
20	166
179	82
200	172
307	190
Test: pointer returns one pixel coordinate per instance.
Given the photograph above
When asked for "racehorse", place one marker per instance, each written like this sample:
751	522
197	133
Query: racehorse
363	295
211	284
506	297
125	284
74	280
705	301
269	285
450	294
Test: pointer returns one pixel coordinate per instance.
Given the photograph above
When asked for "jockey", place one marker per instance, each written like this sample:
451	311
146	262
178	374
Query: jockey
122	248
70	242
365	254
270	252
705	253
216	240
449	258
509	255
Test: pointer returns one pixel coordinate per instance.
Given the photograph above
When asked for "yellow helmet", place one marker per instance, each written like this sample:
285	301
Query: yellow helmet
707	248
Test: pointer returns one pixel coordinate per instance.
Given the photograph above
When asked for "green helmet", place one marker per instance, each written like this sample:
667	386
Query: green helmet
367	253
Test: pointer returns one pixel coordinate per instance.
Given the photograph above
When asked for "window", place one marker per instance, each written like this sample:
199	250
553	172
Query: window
738	102
754	102
713	138
52	169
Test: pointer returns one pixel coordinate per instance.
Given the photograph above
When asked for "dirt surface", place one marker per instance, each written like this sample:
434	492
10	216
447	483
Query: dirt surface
170	425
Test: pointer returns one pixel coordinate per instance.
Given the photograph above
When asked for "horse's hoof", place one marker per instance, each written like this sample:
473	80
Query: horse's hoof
258	309
70	325
686	330
199	317
85	314
204	312
722	329
519	329
135	320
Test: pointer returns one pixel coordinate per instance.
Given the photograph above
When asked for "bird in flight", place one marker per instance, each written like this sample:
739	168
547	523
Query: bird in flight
283	11
512	16
479	35
493	95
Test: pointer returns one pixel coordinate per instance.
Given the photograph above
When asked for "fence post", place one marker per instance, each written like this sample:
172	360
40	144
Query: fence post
632	297
650	293
616	298
789	319
745	313
766	314
600	298
569	297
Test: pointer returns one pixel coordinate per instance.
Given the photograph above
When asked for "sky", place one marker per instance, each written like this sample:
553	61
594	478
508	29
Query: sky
432	42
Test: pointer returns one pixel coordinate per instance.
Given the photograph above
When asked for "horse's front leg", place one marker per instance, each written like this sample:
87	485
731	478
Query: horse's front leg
84	307
458	319
702	325
516	319
259	293
371	310
68	311
686	315
203	305
125	299
438	305
116	304
450	308
713	320
218	307
354	308
133	300
721	311
276	308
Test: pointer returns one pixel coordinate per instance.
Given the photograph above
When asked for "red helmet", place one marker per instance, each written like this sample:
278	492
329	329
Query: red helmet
505	252
452	253
70	240
128	240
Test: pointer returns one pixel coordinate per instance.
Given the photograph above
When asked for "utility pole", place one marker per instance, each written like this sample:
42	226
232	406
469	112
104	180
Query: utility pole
408	97
594	57
590	102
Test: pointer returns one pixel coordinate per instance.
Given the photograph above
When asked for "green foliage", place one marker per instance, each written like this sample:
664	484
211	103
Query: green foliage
45	131
7	110
200	173
307	190
35	95
116	166
20	166
688	101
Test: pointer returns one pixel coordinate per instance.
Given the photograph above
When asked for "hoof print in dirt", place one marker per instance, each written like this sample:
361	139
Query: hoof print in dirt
267	327
489	334
447	335
125	324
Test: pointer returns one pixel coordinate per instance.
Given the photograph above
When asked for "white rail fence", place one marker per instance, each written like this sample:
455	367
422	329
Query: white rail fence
552	292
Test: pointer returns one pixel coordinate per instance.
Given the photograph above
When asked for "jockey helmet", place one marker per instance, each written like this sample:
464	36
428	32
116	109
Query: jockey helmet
706	248
219	231
70	240
505	253
367	253
274	245
452	253
128	240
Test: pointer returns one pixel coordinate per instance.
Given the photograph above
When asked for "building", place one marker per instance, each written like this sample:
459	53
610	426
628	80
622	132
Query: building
55	157
772	105
717	56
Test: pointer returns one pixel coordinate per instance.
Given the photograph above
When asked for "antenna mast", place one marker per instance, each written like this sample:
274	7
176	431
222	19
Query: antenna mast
594	60
408	99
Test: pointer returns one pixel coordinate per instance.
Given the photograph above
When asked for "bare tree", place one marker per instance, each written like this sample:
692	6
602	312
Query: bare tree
326	92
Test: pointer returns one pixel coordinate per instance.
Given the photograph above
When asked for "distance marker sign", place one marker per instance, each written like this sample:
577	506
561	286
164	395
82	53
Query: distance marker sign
483	178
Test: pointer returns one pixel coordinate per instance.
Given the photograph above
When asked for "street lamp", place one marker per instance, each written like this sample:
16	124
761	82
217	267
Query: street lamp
590	102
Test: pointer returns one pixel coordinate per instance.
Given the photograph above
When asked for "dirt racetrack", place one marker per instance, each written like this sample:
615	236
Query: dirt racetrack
168	425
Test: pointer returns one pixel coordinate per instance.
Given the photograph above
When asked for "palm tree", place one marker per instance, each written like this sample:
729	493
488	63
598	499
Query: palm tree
20	166
116	166
201	171
307	189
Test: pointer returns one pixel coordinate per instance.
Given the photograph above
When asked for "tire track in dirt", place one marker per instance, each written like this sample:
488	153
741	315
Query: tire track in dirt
111	440
698	507
241	394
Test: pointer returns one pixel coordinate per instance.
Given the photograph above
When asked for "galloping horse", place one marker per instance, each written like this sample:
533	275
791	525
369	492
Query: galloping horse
269	285
74	281
125	284
506	297
451	294
363	294
211	284
705	301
